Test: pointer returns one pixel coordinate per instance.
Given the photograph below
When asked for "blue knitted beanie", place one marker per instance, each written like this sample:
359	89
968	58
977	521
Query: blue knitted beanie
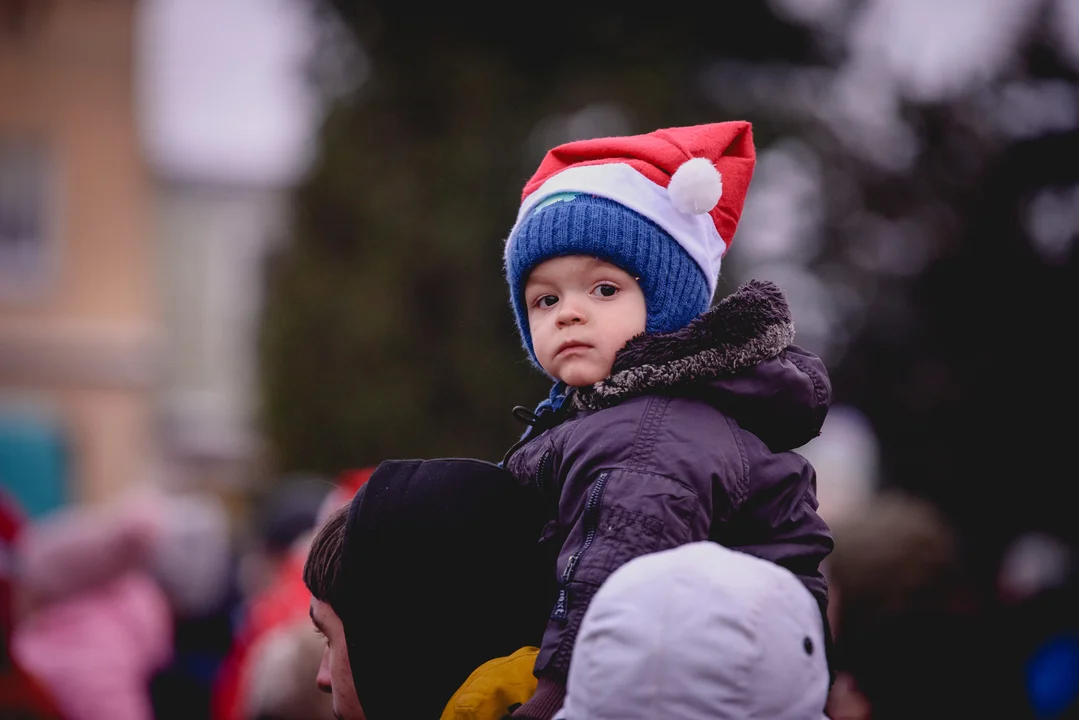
675	288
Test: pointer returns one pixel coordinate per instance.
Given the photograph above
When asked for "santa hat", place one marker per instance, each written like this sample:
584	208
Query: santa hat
664	206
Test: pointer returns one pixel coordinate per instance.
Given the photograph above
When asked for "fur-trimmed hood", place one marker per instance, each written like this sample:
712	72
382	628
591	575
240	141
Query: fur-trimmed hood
739	357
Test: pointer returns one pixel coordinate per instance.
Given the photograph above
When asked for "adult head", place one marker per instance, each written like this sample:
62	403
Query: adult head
431	570
910	625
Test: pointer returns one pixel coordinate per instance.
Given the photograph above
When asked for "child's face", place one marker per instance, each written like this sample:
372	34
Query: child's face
581	311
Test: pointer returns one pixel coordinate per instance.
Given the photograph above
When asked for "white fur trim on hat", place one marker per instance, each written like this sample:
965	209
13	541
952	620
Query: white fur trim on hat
620	182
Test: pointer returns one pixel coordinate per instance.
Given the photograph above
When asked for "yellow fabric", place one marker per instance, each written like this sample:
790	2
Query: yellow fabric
493	687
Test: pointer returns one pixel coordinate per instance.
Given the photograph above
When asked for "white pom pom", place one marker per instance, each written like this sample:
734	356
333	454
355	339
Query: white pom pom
696	186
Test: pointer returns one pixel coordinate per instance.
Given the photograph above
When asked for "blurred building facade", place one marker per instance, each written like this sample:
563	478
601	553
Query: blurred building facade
211	238
80	327
144	174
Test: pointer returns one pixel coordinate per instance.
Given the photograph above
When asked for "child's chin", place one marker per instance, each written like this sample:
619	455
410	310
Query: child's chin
582	377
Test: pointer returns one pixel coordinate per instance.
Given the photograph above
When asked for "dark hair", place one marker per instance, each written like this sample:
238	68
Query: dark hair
321	570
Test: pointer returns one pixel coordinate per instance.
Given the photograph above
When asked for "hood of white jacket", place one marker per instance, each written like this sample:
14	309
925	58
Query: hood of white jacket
699	632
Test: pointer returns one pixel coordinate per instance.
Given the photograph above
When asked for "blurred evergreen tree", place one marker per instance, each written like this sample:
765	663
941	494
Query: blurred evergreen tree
387	331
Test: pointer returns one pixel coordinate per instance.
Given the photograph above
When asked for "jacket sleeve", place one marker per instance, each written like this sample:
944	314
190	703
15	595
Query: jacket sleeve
778	519
623	513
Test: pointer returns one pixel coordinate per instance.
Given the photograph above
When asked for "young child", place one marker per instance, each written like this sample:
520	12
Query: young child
668	422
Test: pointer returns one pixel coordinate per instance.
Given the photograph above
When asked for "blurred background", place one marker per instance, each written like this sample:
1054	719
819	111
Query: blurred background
250	248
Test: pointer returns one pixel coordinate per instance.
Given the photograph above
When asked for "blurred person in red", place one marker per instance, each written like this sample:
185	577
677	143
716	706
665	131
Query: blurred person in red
21	695
267	642
11	522
99	590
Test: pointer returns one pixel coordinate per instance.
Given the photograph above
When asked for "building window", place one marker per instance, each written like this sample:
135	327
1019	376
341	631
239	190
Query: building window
24	226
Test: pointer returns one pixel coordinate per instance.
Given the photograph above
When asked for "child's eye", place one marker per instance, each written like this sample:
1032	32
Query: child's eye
606	290
546	301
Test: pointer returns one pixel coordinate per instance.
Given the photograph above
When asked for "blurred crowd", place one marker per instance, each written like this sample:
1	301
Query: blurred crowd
153	607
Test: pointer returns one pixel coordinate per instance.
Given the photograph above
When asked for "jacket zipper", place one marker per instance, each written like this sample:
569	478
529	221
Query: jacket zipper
591	511
541	472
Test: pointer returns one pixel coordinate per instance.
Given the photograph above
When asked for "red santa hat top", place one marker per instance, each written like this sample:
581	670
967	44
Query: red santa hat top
690	181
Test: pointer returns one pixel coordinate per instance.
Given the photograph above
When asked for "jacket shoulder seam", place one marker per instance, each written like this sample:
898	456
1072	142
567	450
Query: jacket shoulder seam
644	441
743	479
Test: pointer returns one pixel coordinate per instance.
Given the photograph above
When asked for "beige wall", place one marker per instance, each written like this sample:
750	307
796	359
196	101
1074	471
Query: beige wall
84	335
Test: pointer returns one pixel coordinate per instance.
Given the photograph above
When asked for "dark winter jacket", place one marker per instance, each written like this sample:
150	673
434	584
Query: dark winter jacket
689	438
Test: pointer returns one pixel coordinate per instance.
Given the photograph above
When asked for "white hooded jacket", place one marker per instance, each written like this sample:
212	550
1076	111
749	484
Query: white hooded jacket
699	632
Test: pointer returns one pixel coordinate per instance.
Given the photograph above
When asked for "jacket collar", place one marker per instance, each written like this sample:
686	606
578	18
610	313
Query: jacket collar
744	329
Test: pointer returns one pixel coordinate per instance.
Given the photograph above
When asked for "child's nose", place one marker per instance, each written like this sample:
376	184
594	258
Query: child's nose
570	312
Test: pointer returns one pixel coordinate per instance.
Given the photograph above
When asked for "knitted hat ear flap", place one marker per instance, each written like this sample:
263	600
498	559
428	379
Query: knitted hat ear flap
675	290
